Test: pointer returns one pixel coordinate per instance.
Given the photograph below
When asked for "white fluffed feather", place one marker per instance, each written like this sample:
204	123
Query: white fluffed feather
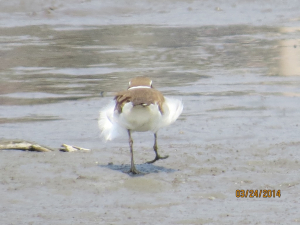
137	118
172	109
110	129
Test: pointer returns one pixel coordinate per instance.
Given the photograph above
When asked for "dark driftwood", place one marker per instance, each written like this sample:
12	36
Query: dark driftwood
28	146
22	145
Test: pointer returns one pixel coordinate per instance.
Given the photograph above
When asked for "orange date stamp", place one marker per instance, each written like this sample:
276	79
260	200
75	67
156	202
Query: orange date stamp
258	193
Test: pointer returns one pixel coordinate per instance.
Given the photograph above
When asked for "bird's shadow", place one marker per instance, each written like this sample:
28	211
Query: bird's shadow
143	168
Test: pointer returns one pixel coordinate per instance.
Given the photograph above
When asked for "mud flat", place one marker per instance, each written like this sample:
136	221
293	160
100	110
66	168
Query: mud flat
236	68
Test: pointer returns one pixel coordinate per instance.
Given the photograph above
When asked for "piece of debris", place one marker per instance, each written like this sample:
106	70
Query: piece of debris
71	148
22	145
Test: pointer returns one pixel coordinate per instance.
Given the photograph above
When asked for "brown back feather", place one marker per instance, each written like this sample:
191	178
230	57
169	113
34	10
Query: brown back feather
139	96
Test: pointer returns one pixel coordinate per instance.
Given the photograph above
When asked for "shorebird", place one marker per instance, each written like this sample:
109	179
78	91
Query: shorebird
140	108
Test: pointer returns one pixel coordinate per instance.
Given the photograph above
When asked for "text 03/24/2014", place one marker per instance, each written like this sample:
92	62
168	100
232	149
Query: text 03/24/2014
257	193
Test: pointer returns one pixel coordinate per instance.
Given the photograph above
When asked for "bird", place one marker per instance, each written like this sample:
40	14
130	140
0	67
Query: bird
140	108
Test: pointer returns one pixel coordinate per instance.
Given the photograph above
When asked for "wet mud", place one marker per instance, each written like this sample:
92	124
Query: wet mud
239	82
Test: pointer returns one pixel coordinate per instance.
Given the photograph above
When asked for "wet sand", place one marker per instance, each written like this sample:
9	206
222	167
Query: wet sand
239	81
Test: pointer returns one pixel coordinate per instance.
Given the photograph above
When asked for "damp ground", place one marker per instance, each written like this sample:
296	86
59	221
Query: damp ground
236	69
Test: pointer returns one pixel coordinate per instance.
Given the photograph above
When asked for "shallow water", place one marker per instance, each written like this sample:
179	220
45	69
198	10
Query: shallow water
239	128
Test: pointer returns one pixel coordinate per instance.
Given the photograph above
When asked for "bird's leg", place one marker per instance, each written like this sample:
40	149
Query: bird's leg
132	170
157	156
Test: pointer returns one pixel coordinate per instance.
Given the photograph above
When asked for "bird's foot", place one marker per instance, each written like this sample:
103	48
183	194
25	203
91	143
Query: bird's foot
133	170
157	157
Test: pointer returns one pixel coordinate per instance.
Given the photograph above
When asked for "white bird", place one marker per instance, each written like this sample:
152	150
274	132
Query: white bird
140	108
